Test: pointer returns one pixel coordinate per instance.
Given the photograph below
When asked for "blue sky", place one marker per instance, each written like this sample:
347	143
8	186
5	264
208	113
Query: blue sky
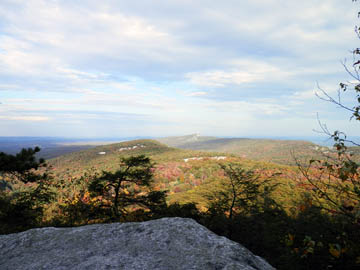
116	68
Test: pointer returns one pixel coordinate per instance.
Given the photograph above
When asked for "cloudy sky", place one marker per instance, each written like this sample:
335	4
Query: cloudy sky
112	68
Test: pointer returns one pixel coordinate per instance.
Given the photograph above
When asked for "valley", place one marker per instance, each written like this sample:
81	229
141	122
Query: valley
230	185
187	175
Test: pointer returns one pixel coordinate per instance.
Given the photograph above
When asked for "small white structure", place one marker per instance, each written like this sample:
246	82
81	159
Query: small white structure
102	153
131	147
193	158
219	158
201	158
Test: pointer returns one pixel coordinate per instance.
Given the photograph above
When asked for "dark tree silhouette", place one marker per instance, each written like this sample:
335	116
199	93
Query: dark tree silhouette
25	190
128	186
241	191
22	166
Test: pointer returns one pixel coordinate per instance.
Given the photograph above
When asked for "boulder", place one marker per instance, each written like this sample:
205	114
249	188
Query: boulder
167	243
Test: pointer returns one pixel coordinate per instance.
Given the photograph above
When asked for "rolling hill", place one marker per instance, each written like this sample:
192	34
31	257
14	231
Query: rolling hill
51	147
183	141
106	157
276	151
187	175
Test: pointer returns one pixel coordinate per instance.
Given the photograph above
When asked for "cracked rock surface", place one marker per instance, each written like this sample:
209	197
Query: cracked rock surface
167	243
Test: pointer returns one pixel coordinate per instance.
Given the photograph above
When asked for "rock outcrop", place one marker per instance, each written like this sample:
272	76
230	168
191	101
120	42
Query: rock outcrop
168	243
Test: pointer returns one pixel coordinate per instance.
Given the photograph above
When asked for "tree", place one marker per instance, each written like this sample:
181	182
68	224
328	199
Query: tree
25	190
335	182
241	204
22	166
128	186
241	191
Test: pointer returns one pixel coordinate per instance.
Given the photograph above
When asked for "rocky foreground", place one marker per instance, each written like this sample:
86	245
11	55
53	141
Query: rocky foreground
168	243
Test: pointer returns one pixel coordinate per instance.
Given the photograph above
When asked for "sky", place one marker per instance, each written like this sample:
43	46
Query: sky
116	68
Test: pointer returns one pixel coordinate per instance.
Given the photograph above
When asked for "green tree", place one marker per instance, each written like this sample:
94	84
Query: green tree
130	186
21	166
242	191
25	190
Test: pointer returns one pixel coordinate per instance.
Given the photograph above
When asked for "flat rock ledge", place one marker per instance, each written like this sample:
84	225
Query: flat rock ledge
167	243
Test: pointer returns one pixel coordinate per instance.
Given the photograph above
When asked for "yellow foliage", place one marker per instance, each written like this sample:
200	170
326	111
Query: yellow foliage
291	237
358	260
334	251
290	240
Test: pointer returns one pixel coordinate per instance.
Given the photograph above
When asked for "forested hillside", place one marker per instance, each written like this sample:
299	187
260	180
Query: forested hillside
144	179
183	173
275	151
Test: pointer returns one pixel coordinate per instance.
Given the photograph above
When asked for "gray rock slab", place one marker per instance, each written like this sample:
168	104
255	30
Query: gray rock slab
167	243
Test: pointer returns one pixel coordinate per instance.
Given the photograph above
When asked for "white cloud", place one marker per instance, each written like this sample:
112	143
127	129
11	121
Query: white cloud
27	118
243	71
251	108
197	94
303	95
221	78
245	59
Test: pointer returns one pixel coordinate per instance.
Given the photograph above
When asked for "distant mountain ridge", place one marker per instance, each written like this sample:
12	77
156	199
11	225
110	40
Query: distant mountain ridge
108	156
180	141
272	150
52	147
